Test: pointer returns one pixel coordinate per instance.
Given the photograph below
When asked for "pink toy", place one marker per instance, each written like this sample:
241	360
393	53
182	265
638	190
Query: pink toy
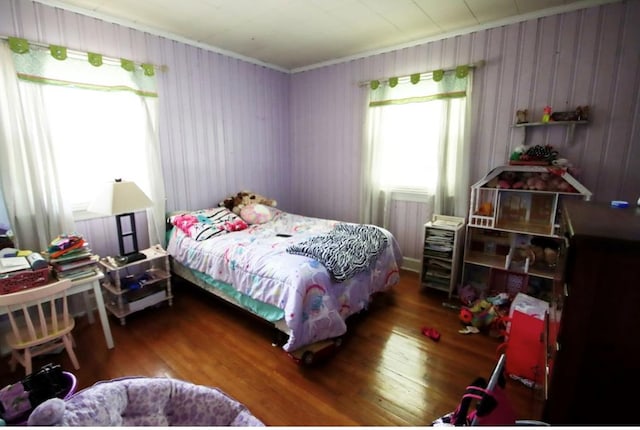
467	294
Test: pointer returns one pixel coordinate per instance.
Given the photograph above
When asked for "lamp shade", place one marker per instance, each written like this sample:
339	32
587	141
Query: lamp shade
119	197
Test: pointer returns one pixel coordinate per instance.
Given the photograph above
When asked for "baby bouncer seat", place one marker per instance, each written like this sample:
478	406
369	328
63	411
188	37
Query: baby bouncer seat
142	401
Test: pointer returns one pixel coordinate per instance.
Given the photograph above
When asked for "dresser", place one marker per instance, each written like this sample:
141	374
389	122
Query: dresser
595	353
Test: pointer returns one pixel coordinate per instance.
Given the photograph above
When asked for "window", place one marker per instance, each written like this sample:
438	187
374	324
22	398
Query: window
97	137
410	145
69	123
96	119
415	140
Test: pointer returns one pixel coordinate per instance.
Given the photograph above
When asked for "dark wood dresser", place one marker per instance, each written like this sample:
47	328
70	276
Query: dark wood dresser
596	356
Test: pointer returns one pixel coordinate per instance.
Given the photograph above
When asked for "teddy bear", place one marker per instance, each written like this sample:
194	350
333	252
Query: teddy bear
236	202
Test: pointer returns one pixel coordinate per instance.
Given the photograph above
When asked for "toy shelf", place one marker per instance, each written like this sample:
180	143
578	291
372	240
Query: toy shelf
514	225
495	205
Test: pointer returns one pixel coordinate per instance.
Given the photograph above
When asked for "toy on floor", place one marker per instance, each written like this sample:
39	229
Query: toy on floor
469	330
481	314
485	314
431	333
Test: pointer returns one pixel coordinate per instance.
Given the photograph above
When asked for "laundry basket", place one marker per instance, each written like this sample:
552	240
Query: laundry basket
18	400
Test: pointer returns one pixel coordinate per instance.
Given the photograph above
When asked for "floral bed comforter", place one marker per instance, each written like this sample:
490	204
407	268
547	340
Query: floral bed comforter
255	261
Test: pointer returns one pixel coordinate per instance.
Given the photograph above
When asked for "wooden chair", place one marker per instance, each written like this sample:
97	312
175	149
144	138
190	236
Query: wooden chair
40	323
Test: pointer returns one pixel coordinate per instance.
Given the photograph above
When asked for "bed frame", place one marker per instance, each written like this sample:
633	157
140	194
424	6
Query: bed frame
282	333
306	355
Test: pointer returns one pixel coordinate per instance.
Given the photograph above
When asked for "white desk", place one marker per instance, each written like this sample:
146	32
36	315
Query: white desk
82	286
93	283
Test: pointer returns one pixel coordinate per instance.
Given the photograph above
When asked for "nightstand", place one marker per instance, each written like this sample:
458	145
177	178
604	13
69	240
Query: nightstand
131	287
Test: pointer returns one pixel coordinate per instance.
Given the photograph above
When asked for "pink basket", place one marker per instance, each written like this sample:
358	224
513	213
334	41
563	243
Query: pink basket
73	384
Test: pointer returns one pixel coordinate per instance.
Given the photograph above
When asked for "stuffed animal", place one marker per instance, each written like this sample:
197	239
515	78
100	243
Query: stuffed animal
481	314
243	198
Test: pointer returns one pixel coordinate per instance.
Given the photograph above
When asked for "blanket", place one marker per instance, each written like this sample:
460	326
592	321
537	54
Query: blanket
346	250
255	263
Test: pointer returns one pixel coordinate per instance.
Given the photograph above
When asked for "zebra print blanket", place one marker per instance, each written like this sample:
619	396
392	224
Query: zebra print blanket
346	250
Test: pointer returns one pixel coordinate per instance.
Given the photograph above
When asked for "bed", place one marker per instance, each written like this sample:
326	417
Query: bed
265	267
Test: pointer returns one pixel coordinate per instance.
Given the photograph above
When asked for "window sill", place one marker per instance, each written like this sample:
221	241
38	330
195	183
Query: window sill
85	215
407	195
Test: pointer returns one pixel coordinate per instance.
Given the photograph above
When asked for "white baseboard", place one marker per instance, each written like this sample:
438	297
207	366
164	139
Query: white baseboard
411	264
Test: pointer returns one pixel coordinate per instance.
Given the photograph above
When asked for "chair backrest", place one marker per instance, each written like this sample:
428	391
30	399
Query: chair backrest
29	305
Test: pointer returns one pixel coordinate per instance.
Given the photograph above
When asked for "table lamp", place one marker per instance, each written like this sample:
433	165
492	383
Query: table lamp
122	199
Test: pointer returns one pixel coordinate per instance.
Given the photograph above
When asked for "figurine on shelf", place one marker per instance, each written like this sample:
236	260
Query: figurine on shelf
521	116
546	114
583	113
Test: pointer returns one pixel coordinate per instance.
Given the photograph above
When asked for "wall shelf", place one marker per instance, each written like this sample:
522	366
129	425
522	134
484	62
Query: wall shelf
571	126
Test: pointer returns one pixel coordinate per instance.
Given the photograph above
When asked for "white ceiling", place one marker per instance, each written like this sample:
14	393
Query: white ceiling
294	35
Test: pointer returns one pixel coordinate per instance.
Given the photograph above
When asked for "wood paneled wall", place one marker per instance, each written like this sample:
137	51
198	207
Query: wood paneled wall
227	124
586	57
224	122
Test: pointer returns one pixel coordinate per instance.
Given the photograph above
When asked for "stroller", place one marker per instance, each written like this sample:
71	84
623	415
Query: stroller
492	407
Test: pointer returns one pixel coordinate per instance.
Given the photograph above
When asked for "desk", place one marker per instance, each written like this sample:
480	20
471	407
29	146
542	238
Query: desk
93	283
82	286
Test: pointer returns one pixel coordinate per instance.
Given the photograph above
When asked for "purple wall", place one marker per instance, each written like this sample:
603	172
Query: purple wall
587	57
224	123
227	124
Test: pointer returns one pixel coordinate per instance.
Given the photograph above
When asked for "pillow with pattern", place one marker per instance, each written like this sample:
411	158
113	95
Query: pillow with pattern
256	214
207	223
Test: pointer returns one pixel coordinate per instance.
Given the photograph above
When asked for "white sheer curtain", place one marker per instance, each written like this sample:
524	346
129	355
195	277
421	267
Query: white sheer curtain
30	181
156	214
416	142
101	123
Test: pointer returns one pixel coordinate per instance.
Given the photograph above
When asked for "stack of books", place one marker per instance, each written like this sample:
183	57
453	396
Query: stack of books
71	258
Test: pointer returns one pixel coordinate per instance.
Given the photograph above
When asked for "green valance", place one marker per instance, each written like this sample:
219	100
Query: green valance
38	66
442	85
127	64
58	52
460	72
18	45
94	59
21	46
149	70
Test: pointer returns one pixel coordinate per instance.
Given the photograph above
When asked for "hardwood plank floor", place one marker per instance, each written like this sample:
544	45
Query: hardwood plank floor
386	373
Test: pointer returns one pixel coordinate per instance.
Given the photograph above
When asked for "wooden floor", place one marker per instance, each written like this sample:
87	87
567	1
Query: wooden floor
385	373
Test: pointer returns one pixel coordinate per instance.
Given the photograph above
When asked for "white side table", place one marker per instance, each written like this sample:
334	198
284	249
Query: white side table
138	285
